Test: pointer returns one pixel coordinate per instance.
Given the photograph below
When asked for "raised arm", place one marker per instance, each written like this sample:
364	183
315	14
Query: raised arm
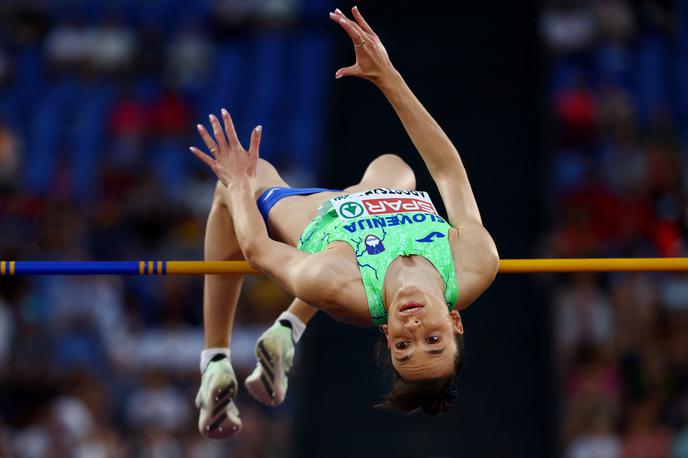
235	167
437	151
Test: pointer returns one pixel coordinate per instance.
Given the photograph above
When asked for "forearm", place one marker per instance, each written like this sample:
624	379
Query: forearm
249	226
439	154
286	265
437	151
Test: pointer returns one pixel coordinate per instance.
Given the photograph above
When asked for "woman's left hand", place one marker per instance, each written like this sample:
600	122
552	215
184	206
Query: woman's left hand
228	159
372	60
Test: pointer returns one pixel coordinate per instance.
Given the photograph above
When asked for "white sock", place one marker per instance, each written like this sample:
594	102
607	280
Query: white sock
297	326
209	353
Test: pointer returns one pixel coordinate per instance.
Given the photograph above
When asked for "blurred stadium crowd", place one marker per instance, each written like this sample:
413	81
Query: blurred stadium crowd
98	102
619	103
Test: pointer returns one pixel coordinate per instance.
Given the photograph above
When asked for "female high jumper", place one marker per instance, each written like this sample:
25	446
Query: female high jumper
376	253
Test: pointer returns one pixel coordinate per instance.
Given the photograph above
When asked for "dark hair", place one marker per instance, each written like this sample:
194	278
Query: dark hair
433	396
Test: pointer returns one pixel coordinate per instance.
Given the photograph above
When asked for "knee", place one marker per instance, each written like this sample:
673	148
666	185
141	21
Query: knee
393	164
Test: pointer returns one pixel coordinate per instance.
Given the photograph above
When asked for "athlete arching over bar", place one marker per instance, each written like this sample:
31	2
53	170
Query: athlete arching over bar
374	254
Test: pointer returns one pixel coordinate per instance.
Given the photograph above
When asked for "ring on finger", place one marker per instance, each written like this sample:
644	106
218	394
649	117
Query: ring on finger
363	43
213	151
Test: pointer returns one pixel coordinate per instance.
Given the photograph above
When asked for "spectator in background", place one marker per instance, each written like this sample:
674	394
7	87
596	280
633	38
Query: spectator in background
188	57
228	14
28	22
157	405
576	110
679	448
623	160
583	314
68	46
653	15
128	117
635	303
615	21
128	127
9	156
277	12
620	184
112	48
5	66
171	115
644	436
6	335
568	25
596	439
5	443
71	350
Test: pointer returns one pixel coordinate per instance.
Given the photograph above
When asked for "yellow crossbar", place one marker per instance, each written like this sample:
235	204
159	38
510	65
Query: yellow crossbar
241	267
505	266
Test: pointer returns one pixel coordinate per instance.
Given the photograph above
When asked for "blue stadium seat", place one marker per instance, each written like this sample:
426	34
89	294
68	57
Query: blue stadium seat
310	65
89	137
652	78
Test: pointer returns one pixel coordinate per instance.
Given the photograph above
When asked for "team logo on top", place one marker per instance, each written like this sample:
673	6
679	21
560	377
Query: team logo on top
374	245
383	201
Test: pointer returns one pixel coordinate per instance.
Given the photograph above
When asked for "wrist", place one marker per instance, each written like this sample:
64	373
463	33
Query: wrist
390	80
240	184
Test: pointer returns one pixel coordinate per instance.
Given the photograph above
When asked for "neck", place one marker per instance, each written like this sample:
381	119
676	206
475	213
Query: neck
409	272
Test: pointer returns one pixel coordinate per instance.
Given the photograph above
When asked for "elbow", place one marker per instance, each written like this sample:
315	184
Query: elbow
489	257
323	281
493	260
254	254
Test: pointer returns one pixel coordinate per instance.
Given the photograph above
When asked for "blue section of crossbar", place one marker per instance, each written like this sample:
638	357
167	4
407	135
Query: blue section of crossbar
76	268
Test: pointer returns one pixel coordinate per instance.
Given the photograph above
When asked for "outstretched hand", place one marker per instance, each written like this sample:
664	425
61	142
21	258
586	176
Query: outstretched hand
372	61
228	159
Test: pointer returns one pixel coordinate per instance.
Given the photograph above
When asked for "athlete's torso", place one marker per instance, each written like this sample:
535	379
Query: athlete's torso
380	226
290	216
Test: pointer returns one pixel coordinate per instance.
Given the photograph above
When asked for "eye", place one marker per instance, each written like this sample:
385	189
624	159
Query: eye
401	345
432	339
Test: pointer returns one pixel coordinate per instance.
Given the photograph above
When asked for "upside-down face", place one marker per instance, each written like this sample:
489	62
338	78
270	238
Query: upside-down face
420	334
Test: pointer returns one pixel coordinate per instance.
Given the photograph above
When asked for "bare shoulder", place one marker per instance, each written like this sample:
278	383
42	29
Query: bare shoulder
335	275
476	261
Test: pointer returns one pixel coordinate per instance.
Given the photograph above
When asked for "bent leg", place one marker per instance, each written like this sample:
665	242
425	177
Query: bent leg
386	171
220	292
218	415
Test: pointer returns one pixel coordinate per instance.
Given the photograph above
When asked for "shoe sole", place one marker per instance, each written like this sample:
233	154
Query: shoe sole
266	380
215	422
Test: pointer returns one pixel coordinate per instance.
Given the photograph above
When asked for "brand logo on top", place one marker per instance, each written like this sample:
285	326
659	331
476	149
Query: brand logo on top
397	205
351	210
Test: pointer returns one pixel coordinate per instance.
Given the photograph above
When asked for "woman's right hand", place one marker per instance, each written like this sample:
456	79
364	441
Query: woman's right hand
228	159
372	60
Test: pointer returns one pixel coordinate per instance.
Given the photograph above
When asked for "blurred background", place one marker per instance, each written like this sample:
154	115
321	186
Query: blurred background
572	120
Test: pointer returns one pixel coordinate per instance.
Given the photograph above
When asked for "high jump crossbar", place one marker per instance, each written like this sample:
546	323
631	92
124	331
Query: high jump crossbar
242	267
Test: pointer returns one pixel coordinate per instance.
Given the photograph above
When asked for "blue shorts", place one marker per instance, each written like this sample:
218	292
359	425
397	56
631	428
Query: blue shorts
271	196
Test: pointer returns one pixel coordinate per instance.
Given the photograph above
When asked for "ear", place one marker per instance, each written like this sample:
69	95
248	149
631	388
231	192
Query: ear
383	329
457	324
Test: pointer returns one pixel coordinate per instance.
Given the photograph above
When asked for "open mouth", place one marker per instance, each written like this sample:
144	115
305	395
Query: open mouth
410	308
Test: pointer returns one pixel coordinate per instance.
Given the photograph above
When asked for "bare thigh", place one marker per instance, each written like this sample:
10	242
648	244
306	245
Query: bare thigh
290	216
